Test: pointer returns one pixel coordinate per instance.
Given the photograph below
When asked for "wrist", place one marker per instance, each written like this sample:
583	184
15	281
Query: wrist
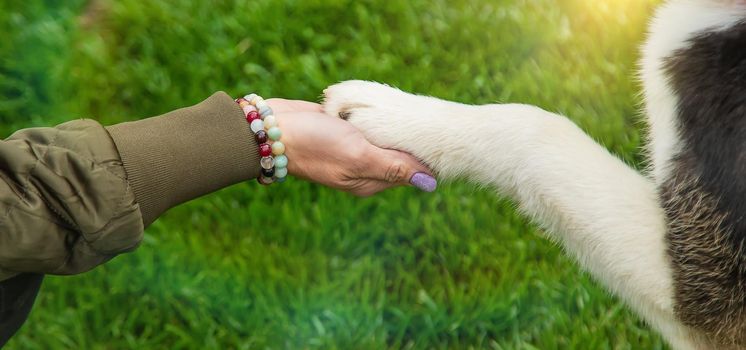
268	135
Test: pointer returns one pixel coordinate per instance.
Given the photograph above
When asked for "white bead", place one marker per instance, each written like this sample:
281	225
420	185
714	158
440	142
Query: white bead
267	162
257	125
270	121
261	104
250	97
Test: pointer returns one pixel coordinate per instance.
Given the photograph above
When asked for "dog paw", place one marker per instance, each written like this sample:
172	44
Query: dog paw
390	118
379	111
346	98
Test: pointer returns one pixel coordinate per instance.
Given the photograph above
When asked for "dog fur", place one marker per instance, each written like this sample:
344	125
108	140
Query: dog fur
671	244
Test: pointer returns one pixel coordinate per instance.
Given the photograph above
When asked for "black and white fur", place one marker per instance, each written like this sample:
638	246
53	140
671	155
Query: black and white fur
671	244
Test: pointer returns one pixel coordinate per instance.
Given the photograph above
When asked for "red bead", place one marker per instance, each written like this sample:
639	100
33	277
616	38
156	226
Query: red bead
265	150
261	136
252	116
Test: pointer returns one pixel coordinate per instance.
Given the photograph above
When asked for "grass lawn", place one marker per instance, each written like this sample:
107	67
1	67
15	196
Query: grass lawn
299	266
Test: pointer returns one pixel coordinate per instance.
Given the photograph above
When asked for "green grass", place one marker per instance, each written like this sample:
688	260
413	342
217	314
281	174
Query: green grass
299	266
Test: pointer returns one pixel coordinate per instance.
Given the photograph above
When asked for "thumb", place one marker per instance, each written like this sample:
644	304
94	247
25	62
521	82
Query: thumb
398	168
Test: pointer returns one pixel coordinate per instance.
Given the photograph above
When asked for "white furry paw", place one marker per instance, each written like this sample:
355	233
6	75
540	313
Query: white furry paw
341	98
378	110
390	118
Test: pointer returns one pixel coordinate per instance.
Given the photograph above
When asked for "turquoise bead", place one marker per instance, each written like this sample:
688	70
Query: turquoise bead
280	180
265	111
281	161
281	172
274	133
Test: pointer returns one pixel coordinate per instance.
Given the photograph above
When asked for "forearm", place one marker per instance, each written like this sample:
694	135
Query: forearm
187	153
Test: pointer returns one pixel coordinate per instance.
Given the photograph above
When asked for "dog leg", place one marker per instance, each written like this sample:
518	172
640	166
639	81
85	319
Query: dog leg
603	212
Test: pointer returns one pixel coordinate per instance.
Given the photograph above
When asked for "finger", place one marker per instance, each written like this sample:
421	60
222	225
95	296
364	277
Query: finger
281	105
369	187
398	168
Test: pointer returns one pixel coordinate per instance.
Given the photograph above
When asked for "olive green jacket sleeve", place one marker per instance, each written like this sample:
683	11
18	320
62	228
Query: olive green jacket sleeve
74	196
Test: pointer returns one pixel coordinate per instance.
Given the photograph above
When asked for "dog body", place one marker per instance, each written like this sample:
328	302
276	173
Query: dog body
672	244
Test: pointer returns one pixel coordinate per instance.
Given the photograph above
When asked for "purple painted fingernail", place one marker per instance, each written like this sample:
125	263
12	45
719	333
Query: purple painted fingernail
424	182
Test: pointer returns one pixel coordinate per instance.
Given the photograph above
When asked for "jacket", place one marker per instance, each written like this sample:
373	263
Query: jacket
76	195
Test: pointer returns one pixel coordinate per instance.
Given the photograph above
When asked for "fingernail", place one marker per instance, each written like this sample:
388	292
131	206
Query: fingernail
424	182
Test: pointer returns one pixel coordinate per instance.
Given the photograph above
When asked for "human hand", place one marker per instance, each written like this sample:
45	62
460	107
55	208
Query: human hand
331	152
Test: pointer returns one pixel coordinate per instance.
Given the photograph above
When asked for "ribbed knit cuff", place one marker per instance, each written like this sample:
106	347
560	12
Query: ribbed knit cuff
187	153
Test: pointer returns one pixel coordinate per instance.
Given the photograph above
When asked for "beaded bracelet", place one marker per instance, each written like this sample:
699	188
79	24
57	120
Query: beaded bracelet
263	124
